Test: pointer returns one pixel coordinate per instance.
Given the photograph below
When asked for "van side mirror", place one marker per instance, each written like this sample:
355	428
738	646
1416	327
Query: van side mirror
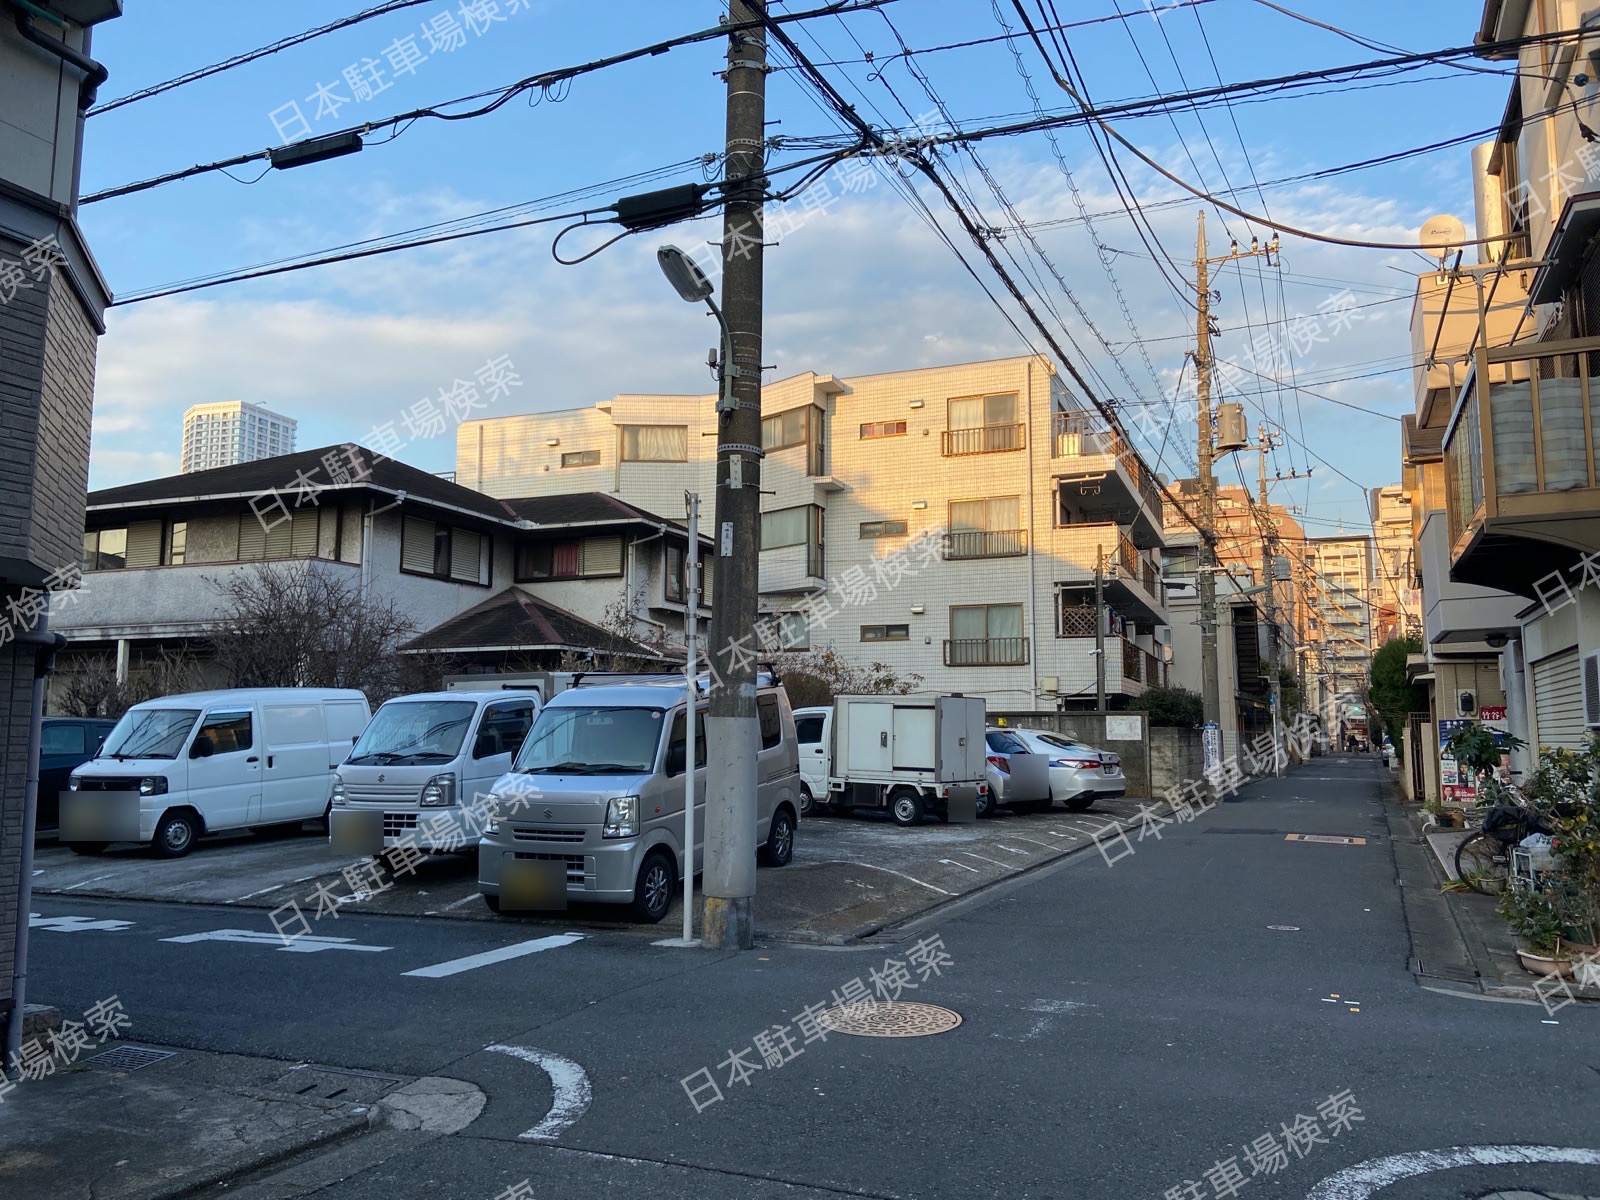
203	747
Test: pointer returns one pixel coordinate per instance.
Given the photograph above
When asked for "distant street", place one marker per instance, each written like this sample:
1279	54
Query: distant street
1123	1030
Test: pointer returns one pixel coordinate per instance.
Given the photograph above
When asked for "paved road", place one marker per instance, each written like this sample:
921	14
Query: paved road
1125	1028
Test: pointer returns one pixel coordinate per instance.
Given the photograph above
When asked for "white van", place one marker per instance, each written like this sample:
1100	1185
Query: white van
421	760
813	728
203	762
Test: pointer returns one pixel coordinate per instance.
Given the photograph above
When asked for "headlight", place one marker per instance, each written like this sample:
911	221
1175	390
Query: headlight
338	791
72	783
491	826
155	785
622	817
439	792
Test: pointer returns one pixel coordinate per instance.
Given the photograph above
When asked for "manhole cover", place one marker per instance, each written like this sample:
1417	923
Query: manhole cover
128	1058
897	1018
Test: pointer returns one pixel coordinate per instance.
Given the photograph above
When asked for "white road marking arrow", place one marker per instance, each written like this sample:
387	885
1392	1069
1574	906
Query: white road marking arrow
306	943
573	1095
1364	1179
74	924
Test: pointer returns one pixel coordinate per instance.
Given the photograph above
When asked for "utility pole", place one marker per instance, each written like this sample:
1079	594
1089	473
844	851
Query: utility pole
1211	686
691	670
1100	629
732	732
1269	550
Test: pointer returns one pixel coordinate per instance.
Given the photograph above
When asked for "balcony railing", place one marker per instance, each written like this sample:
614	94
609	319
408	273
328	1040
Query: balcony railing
1075	435
986	652
1132	661
1075	621
984	439
986	543
1524	449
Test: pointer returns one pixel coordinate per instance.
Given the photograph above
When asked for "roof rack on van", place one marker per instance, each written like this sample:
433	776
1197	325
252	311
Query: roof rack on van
767	677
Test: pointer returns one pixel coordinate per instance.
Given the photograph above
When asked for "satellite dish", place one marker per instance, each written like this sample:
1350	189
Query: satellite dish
1443	235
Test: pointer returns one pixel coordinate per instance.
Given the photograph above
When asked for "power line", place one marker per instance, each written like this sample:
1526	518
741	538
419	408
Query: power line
544	81
238	60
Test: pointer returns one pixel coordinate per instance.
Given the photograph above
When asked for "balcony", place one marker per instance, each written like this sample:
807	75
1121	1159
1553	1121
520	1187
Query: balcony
984	439
986	652
1104	475
986	543
1132	581
1520	465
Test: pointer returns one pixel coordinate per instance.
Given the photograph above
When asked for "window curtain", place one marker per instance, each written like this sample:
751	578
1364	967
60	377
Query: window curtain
655	443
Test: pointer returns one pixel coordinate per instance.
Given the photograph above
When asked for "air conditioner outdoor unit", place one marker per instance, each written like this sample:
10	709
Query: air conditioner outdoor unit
1591	691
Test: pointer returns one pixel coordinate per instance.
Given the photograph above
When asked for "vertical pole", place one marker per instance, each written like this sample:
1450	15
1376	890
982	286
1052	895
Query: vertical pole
1269	545
691	671
1100	629
1211	695
732	736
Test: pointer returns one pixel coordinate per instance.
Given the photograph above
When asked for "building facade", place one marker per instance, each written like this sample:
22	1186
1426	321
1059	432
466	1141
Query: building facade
1501	451
52	305
1337	573
231	432
948	522
1396	610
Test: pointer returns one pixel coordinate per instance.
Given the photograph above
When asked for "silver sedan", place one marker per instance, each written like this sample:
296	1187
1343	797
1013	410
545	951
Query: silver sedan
1080	774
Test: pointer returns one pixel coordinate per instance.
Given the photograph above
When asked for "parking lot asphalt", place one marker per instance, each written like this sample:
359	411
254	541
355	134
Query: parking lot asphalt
851	875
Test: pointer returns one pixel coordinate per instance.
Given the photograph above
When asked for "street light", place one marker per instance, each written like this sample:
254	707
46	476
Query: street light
691	284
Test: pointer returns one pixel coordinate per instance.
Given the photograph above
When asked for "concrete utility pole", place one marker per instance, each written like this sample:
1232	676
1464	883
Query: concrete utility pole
691	670
1269	551
1100	629
732	731
1210	686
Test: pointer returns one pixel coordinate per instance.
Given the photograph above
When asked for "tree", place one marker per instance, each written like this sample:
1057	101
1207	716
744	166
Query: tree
1391	693
1174	707
814	677
297	625
89	686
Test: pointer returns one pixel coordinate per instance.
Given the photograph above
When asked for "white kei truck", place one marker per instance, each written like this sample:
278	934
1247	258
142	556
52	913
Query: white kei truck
913	755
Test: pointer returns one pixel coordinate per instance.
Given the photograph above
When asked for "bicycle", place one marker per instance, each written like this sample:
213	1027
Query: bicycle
1483	859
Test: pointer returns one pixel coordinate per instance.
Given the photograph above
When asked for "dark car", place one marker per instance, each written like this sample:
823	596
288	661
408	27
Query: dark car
65	743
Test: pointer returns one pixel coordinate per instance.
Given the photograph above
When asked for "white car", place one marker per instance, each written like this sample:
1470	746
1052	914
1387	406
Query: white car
813	729
1079	773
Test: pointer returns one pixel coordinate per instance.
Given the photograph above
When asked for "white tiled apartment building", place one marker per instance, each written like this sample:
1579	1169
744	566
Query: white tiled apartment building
230	432
1020	490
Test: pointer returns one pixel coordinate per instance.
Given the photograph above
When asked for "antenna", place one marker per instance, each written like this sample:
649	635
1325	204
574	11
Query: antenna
1443	235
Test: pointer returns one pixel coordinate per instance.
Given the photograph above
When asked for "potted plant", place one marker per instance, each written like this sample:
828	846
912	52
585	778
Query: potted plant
1537	922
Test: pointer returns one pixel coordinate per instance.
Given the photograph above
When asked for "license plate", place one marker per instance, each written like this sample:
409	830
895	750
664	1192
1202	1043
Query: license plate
532	885
1109	768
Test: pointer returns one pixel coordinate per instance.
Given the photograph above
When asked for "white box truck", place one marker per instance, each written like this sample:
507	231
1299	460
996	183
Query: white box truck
912	755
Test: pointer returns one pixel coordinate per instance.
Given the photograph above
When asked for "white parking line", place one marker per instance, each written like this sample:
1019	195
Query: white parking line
275	887
464	900
953	863
87	882
992	862
489	957
1010	849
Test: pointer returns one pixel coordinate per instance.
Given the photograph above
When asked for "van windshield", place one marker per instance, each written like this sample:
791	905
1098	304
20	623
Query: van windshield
592	740
414	731
150	733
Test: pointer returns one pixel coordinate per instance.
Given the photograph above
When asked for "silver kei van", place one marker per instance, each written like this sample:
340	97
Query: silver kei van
420	765
593	806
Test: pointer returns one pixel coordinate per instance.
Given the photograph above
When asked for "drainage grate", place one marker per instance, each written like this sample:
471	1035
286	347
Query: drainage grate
898	1018
128	1058
334	1083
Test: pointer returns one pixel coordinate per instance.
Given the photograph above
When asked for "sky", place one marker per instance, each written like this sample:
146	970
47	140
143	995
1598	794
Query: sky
857	281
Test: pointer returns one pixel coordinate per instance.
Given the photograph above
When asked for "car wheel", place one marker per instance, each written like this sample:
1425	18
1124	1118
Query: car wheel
808	804
493	902
88	849
779	848
652	891
985	804
1080	804
905	807
175	835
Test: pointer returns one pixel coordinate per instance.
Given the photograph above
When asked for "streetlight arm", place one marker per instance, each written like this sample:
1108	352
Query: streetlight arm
725	401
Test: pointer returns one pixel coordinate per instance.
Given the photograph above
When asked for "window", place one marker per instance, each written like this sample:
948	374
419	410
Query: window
580	558
882	529
273	536
229	731
785	429
443	552
105	549
986	635
883	429
770	718
783	631
677	743
503	728
885	633
677	582
581	458
800	526
57	740
808	730
655	443
987	528
983	425
177	542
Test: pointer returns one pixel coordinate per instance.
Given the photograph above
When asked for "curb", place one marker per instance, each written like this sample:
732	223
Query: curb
270	1154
